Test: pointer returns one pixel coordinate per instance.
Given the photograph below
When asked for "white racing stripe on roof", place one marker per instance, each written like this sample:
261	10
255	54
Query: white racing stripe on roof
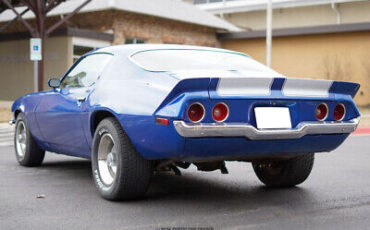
306	87
244	86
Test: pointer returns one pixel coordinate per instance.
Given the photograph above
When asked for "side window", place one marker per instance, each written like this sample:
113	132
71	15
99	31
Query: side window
85	73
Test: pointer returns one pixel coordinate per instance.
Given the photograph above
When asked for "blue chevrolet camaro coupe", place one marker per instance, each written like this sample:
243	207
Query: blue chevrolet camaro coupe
135	109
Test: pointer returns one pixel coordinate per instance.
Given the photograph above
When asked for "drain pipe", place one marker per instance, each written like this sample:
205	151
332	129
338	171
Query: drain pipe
335	8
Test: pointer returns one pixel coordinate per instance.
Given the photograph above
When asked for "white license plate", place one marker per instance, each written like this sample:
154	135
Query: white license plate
273	118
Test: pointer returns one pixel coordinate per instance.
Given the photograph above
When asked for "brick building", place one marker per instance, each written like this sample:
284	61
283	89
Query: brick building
100	23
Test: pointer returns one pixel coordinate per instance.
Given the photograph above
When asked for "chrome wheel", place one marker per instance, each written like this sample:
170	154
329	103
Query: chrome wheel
107	159
21	139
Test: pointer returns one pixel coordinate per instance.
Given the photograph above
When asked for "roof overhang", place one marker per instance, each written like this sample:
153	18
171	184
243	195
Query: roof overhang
168	9
314	30
256	5
73	32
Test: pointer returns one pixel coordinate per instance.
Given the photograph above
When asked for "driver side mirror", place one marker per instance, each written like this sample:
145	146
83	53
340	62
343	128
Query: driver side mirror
54	83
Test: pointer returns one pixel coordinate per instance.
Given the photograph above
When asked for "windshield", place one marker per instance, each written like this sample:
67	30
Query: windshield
185	59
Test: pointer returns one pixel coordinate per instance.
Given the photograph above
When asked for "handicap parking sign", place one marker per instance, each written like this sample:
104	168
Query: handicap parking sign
35	51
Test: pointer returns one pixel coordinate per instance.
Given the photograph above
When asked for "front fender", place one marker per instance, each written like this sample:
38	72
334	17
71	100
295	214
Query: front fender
27	105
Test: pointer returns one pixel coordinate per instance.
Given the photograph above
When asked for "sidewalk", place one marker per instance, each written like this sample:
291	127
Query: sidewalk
5	113
6	135
6	104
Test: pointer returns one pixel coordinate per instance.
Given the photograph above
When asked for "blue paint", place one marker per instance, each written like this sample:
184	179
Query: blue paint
61	124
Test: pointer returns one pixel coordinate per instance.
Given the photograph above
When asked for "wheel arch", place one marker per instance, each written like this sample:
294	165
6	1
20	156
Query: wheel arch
16	113
97	116
17	108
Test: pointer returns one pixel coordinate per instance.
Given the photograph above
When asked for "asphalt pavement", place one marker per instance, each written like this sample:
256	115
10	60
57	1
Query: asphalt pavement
335	196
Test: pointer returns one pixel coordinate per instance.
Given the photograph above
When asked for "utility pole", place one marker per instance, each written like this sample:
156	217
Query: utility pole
268	32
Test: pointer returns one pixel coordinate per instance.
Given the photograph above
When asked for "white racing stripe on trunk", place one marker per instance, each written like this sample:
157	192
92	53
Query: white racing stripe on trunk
306	87
244	86
236	83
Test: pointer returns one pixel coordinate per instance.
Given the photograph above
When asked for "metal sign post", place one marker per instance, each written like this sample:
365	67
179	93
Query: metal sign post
35	55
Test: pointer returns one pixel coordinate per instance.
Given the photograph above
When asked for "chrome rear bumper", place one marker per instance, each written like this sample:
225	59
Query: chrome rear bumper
245	130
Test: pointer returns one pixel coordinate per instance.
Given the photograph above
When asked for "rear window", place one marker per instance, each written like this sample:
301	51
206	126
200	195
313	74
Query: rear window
177	59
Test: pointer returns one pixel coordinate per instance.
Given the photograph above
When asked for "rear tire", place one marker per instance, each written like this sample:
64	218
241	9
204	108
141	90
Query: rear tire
119	171
27	152
284	173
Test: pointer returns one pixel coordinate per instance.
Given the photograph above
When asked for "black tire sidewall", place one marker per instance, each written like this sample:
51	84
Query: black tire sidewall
293	171
133	171
27	156
103	128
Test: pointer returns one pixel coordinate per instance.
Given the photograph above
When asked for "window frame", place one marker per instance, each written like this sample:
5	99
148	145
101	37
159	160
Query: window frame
78	62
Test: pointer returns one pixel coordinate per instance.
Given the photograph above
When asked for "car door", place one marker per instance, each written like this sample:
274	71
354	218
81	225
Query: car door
60	114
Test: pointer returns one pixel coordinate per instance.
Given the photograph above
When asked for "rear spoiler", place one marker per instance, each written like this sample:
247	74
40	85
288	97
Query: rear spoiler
197	87
347	88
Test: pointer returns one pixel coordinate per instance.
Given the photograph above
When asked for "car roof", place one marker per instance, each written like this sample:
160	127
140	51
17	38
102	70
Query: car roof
133	48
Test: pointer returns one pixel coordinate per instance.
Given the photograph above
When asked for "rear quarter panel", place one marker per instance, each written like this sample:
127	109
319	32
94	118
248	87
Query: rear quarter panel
133	95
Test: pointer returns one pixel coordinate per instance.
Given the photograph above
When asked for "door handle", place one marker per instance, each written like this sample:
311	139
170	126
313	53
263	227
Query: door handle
81	99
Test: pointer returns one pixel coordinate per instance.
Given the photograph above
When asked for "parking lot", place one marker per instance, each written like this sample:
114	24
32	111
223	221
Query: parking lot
336	196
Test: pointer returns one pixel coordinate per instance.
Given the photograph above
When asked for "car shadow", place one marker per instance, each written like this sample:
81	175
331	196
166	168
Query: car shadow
169	186
70	164
193	189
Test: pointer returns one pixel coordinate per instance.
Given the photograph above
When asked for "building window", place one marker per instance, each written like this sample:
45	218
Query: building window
78	51
85	45
134	41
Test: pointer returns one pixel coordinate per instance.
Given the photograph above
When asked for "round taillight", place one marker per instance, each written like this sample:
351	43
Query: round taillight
196	112
339	112
321	112
220	112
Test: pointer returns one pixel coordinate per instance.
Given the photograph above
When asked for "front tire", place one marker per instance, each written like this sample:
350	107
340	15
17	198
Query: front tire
119	171
27	152
284	173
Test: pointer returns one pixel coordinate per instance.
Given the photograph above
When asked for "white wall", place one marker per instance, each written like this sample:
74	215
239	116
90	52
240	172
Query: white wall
354	12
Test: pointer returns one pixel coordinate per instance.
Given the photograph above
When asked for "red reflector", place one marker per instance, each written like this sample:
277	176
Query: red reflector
196	112
220	112
161	121
321	112
339	112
